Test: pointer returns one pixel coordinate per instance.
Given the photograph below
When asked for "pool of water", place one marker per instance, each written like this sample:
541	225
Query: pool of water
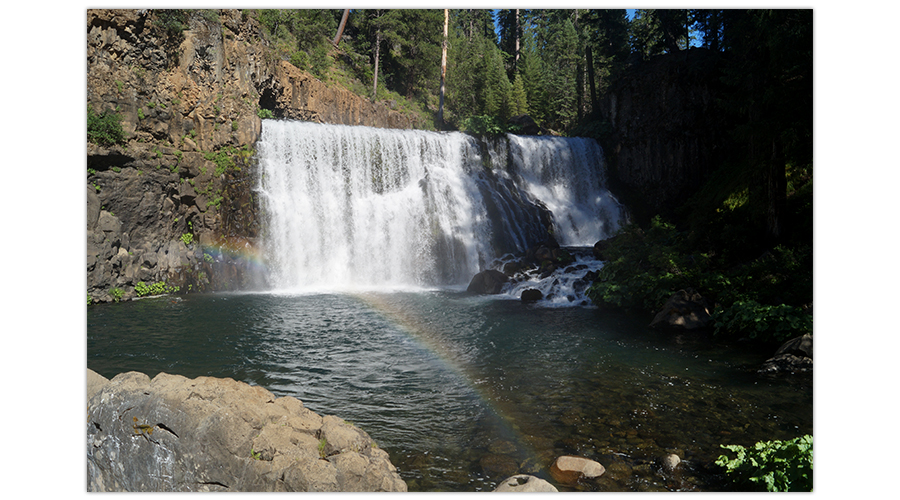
463	391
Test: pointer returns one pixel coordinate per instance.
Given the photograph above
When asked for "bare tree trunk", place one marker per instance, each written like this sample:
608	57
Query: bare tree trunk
340	32
589	55
377	54
516	59
443	67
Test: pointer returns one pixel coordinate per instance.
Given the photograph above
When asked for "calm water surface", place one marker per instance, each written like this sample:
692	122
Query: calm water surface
464	391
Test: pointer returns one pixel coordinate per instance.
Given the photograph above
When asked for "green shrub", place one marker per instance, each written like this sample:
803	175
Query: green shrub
771	465
105	128
265	113
300	59
159	288
187	238
117	294
484	125
758	321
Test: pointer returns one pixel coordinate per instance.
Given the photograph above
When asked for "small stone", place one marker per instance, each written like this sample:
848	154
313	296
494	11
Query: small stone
669	462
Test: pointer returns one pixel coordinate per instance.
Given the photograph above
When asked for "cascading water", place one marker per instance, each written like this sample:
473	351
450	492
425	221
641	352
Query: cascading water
569	175
358	207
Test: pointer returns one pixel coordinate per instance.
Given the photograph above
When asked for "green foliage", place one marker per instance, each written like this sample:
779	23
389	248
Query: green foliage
771	465
142	289
117	294
322	443
484	125
255	454
645	267
265	113
222	159
105	128
187	238
758	321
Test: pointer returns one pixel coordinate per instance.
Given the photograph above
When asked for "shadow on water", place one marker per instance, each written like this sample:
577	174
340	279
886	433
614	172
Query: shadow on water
464	391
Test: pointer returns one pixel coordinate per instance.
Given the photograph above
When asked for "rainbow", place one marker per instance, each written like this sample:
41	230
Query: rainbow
431	341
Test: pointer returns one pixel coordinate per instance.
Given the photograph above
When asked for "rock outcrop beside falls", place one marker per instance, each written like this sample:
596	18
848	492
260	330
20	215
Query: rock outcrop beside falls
172	433
190	103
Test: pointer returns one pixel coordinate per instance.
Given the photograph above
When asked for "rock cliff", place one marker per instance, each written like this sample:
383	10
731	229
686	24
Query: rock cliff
666	128
172	433
174	205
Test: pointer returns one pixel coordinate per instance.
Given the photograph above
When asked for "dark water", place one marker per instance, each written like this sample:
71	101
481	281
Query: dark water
464	391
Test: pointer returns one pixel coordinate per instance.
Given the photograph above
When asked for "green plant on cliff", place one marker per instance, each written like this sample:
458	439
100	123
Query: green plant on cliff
771	465
187	238
117	294
142	289
105	128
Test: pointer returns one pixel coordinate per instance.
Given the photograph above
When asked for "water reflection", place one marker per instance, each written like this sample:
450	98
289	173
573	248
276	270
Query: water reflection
462	390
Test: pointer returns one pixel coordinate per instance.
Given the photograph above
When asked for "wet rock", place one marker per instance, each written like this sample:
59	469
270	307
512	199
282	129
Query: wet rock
794	356
498	465
532	295
686	309
487	282
569	469
525	483
669	462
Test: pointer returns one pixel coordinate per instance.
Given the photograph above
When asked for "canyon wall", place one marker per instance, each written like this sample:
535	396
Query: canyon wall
173	206
665	130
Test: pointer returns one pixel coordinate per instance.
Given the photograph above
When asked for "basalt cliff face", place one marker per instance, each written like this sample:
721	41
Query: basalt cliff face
174	206
667	129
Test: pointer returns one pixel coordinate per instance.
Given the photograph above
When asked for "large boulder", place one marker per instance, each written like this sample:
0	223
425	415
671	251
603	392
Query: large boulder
487	282
686	309
569	469
171	433
524	483
794	356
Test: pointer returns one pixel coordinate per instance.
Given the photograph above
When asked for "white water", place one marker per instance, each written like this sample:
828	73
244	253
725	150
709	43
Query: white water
359	207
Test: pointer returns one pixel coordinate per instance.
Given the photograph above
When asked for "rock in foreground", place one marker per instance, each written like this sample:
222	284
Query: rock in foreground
569	470
172	433
524	483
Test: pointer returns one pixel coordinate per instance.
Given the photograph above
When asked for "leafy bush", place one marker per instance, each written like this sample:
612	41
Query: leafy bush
187	238
484	125
776	465
159	288
764	322
265	113
117	293
105	128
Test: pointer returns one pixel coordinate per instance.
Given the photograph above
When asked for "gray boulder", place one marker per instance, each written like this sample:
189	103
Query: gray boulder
686	309
525	484
487	282
172	433
794	356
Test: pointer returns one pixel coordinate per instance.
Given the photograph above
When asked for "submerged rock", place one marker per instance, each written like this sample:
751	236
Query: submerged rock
172	433
525	484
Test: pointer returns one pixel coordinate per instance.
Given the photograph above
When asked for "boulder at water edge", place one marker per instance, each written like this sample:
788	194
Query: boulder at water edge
525	484
794	356
569	470
685	309
172	433
487	282
531	295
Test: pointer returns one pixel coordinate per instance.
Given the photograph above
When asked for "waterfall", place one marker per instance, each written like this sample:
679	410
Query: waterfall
356	207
